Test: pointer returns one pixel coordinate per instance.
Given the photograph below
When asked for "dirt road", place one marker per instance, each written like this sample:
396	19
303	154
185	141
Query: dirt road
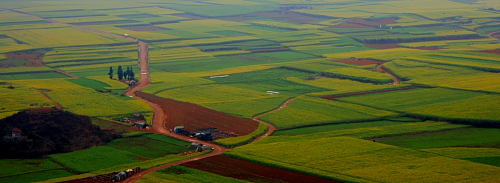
272	128
57	105
382	69
490	35
158	115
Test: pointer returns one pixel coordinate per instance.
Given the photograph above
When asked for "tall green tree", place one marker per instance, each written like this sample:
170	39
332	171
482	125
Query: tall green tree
131	74
126	73
120	72
110	73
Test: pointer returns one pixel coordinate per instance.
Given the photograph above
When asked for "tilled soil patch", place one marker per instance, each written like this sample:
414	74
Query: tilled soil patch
250	171
193	116
496	51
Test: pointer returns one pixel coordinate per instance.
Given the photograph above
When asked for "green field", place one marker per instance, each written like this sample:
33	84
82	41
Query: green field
120	152
248	57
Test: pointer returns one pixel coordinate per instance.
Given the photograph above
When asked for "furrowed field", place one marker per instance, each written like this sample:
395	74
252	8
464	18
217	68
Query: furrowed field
383	91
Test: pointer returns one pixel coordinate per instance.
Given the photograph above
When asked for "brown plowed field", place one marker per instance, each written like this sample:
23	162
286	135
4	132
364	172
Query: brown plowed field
250	171
32	59
370	92
358	61
383	46
193	116
374	22
350	25
496	51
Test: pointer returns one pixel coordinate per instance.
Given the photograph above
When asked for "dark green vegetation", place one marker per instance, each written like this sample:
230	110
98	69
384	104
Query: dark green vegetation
44	131
122	151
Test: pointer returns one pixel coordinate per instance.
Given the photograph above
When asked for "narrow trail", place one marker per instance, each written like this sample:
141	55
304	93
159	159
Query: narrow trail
58	106
159	116
272	128
490	35
39	61
382	69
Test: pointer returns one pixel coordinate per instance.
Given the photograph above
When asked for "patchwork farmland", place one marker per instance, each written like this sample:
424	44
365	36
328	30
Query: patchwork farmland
319	91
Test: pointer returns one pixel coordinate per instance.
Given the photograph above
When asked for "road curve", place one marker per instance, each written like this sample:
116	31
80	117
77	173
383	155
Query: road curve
158	114
272	128
490	35
382	69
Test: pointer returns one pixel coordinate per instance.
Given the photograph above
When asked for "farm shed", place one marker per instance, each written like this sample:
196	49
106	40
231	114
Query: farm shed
194	145
203	148
178	129
138	116
141	125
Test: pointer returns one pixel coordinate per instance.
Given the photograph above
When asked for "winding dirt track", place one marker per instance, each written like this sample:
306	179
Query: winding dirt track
490	35
159	117
382	69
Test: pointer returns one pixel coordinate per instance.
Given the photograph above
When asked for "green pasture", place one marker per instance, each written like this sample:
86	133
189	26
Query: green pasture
436	102
120	152
313	111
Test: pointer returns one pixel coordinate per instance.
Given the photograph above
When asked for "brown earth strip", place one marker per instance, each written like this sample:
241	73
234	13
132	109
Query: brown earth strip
429	48
495	51
357	61
370	92
193	116
57	105
250	171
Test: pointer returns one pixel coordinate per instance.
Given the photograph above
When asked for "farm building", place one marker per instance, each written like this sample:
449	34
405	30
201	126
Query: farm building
178	129
138	116
141	125
16	132
198	147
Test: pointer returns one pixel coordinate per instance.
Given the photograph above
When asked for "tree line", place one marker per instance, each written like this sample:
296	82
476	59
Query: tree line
127	75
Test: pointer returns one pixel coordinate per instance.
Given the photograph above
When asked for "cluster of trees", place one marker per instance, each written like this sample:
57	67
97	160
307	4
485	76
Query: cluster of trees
127	75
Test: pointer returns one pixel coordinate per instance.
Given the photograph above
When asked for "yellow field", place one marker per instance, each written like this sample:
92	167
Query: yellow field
15	17
88	19
215	93
286	25
388	54
22	97
8	45
340	86
465	152
82	100
164	80
57	37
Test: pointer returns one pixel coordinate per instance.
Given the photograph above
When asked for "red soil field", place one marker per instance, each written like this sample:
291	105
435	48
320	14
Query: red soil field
31	59
374	22
496	51
383	46
355	61
350	25
370	92
193	116
250	171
